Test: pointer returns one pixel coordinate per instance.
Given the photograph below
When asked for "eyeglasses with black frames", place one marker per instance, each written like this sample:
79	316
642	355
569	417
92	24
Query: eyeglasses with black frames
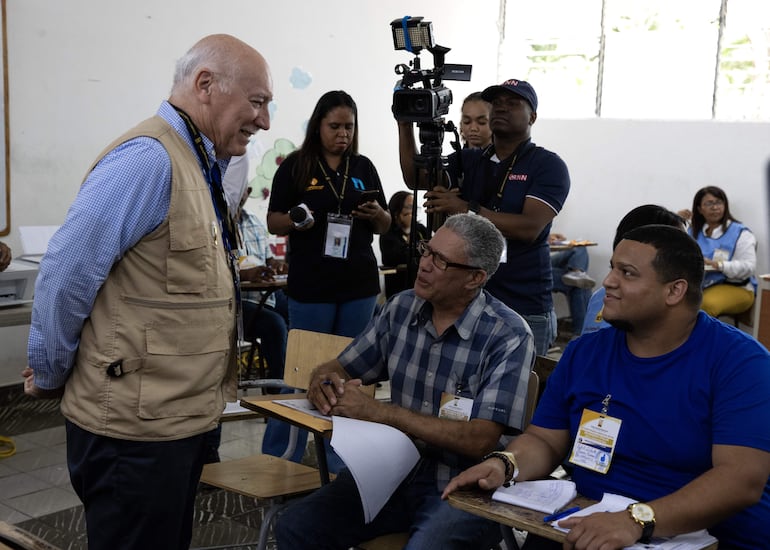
713	204
424	249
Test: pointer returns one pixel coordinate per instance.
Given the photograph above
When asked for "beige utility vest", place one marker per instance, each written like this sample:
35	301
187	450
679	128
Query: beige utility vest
164	318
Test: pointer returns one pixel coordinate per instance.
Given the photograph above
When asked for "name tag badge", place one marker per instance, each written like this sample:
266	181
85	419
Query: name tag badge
595	441
504	255
454	407
338	230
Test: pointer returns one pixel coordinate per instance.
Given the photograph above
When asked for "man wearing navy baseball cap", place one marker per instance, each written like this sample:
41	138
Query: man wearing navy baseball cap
518	186
517	87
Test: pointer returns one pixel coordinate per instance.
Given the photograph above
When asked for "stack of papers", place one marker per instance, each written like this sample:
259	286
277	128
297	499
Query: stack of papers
378	456
544	495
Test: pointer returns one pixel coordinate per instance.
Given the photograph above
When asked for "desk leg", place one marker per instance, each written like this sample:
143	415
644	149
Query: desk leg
320	451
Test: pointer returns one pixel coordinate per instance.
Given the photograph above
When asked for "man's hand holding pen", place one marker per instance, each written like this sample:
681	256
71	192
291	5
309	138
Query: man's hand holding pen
330	394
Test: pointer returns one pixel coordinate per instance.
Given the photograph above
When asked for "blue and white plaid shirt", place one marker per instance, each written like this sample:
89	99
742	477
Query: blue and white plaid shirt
485	356
125	197
254	237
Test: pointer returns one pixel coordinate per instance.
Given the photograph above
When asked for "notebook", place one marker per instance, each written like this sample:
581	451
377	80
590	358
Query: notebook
544	495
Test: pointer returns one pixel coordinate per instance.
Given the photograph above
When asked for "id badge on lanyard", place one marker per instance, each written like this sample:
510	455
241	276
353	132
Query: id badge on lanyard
337	240
596	439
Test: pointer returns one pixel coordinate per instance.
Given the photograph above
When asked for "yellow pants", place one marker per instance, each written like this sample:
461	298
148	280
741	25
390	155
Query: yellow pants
726	300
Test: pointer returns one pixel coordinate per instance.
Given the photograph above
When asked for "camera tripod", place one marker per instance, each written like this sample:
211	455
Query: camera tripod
433	165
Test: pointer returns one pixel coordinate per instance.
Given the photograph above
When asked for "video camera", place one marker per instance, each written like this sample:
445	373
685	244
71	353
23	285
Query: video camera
432	101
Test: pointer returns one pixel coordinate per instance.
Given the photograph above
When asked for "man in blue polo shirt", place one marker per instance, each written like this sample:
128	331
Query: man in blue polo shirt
668	406
519	187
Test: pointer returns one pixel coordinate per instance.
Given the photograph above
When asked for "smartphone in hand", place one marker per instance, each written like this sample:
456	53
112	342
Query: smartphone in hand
367	196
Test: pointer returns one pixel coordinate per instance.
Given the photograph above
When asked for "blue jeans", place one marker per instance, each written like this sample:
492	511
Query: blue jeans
543	327
344	319
561	262
332	518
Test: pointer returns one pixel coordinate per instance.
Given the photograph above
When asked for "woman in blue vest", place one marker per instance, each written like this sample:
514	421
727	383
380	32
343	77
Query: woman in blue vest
729	252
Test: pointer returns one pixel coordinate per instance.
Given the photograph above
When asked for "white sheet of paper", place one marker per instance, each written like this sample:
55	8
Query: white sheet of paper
235	408
34	238
303	405
378	456
616	503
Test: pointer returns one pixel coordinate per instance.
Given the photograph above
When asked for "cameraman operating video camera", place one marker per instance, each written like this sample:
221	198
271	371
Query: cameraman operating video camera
516	185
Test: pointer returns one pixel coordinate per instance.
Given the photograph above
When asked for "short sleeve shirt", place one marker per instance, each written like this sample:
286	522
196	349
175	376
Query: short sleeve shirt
312	276
485	356
524	280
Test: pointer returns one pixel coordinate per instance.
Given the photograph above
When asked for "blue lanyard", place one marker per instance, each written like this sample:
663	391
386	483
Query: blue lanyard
214	179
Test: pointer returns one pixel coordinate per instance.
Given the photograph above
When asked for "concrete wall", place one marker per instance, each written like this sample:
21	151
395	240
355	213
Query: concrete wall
83	71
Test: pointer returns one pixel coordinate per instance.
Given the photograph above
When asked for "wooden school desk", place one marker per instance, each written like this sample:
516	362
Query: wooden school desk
480	503
320	428
566	245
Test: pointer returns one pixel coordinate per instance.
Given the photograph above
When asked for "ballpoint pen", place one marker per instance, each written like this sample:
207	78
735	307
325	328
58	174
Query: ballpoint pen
561	515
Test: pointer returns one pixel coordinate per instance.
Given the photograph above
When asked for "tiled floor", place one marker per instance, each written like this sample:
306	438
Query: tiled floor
36	495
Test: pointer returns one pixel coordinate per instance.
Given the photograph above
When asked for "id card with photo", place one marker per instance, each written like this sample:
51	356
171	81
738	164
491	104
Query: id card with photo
337	239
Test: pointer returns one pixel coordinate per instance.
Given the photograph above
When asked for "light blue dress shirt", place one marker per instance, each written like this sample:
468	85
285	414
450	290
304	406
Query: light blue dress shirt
125	197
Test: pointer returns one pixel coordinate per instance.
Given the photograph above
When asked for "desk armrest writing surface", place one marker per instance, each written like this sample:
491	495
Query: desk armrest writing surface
320	428
272	286
559	246
480	503
266	404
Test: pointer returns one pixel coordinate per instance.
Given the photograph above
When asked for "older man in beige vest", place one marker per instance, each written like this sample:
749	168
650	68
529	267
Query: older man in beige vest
135	306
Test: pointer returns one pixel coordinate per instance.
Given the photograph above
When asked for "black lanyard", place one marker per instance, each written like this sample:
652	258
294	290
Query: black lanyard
521	151
341	195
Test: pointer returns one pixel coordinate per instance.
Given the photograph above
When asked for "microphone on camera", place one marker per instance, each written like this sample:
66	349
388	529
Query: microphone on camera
300	215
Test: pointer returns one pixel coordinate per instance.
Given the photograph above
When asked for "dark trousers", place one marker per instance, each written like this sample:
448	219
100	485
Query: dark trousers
270	326
136	494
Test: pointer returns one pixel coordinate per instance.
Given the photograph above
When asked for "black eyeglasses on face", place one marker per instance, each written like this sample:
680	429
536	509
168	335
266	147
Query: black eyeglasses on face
424	249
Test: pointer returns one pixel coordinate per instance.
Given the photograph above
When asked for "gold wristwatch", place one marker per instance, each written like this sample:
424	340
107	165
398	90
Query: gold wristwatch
644	515
511	467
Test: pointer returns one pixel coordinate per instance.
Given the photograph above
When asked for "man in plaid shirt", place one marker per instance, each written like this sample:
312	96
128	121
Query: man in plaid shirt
458	361
267	323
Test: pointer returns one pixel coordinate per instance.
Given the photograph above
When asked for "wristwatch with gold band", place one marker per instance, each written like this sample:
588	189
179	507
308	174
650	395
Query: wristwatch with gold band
511	467
644	515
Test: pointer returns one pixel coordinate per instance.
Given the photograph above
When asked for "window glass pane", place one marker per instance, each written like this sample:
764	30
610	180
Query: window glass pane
660	57
554	45
743	84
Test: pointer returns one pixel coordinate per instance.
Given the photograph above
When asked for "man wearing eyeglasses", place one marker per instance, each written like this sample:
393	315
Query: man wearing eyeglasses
458	361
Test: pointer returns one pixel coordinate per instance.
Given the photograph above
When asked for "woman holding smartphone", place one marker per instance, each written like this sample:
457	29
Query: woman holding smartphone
333	277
